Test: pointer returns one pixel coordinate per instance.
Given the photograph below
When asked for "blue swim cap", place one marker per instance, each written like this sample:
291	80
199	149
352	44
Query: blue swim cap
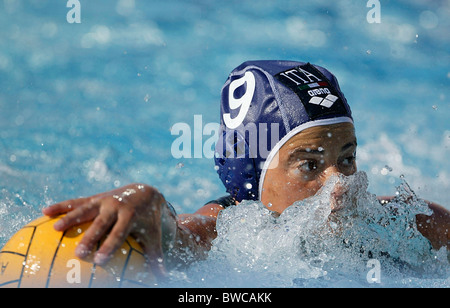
264	104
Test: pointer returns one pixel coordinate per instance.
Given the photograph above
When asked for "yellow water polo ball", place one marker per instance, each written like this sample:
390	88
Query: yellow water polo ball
38	256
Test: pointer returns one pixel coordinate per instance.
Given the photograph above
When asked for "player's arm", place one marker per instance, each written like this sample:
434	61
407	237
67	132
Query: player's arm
195	233
436	228
141	211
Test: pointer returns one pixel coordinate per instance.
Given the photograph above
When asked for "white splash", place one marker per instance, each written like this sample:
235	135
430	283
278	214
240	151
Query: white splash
311	245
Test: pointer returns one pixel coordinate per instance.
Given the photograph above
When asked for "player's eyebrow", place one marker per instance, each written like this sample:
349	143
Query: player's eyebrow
317	151
297	153
349	145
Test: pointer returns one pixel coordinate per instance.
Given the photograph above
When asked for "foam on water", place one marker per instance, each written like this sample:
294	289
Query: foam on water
308	245
15	212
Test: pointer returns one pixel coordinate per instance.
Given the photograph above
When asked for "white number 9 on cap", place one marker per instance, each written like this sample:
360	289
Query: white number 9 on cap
243	102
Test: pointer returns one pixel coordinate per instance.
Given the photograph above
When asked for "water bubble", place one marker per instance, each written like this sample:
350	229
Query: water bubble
428	20
179	165
385	170
119	198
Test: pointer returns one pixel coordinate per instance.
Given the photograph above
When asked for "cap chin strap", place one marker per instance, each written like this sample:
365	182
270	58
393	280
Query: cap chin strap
288	136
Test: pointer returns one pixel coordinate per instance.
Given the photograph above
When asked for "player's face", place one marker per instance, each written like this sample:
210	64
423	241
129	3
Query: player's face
305	163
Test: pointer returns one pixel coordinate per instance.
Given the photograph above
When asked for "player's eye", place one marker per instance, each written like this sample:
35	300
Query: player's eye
308	166
349	161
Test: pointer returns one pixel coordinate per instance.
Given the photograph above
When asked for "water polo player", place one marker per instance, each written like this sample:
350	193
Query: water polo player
286	128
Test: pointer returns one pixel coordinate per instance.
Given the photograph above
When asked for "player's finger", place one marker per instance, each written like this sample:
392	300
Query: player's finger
64	207
94	233
78	216
115	238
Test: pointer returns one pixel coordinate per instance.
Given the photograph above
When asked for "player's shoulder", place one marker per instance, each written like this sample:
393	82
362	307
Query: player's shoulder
213	207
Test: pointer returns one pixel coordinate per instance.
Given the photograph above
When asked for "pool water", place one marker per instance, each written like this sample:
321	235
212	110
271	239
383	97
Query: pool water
364	244
88	107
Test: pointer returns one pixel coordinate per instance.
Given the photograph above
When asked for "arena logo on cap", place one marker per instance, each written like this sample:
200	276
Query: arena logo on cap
327	101
318	96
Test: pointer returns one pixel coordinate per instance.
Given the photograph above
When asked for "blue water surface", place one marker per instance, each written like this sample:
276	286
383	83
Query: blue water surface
88	107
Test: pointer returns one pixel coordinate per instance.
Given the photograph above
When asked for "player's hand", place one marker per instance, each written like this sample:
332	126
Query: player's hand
138	210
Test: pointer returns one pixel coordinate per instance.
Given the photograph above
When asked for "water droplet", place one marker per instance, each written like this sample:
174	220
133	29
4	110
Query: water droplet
179	165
